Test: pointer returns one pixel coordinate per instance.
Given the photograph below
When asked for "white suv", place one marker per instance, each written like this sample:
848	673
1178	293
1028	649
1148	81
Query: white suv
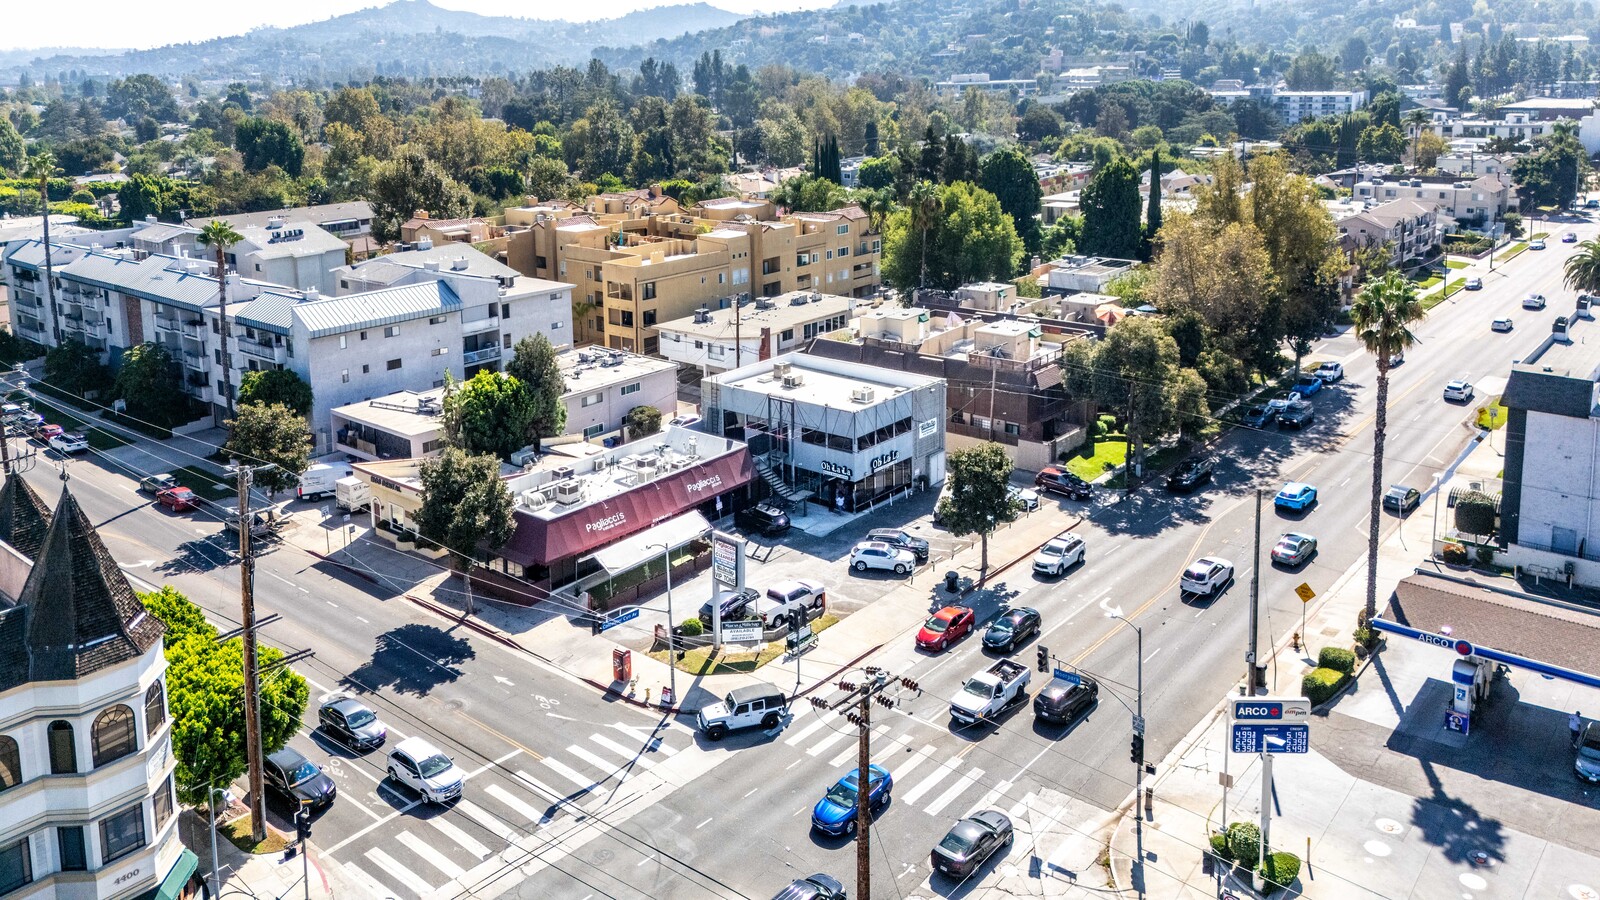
1533	301
1059	554
878	555
421	767
1459	390
1207	576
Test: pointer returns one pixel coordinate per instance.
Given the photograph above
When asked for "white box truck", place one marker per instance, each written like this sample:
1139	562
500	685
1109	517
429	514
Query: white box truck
318	481
352	493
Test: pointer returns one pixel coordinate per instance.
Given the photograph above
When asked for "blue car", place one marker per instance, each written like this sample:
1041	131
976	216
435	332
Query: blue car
1296	496
835	813
1307	384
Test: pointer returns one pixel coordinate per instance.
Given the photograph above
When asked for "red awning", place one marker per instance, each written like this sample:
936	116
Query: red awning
540	541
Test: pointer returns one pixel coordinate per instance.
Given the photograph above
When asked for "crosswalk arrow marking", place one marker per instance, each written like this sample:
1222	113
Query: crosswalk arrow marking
504	680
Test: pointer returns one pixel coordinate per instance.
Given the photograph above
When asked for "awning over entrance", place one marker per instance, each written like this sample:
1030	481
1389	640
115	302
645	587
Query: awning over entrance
673	533
172	886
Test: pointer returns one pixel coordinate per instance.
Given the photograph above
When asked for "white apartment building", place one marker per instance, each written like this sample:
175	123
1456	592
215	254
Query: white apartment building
1292	106
716	340
350	221
1411	228
1518	126
279	249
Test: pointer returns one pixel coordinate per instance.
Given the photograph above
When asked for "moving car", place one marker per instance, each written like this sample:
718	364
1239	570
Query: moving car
744	707
1293	549
349	721
813	887
894	537
1591	204
945	627
298	780
1191	473
1059	554
1258	417
1330	372
1533	301
878	555
1297	416
178	499
1401	499
1296	496
1501	324
763	519
1026	499
991	692
734	605
155	484
70	442
1536	244
1307	384
1064	700
971	842
1206	576
1570	237
1057	480
1474	284
1459	390
420	766
835	813
1397	359
1011	628
45	431
1587	764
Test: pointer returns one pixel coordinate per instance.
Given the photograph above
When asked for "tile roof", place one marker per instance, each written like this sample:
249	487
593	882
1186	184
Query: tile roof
24	517
375	308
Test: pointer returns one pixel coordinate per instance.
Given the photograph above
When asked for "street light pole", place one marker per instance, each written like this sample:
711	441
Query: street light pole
1138	741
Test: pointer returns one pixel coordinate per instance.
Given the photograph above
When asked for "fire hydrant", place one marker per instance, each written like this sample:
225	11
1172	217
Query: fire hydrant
1295	642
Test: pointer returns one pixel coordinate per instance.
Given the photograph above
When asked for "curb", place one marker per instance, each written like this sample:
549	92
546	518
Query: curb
345	566
1078	519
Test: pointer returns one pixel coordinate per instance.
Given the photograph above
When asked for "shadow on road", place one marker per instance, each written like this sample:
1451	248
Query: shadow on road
411	659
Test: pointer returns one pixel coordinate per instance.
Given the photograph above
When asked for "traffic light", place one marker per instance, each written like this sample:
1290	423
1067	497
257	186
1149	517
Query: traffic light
1137	749
1044	658
302	824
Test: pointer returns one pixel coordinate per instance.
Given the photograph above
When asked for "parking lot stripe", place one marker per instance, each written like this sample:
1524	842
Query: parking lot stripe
568	773
359	876
931	781
604	765
466	841
826	741
511	800
850	752
921	756
429	855
401	874
955	791
799	736
480	815
636	757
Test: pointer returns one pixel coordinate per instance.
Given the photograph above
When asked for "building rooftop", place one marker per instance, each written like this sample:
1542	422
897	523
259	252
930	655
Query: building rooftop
821	381
159	232
291	238
405	413
1093	265
374	308
1559	376
592	368
163	279
321	215
783	312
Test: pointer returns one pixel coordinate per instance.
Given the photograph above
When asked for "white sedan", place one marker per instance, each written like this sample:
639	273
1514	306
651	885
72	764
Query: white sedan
69	443
878	555
1459	390
1027	498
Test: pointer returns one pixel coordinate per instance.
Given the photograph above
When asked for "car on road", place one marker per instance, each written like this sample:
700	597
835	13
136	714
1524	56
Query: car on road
1501	324
351	723
763	519
1296	496
945	627
1206	576
1258	417
1587	765
835	813
1294	548
894	537
1591	204
970	843
1280	402
1297	416
1330	372
1397	359
750	706
813	887
1401	499
878	555
1458	390
734	605
1570	237
1536	244
1534	301
297	779
70	442
45	431
1064	700
1027	499
155	484
1059	554
1057	480
420	766
1011	628
1474	284
1191	473
178	499
1307	385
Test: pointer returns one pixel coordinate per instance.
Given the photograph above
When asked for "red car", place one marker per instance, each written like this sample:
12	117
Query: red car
46	431
945	627
178	499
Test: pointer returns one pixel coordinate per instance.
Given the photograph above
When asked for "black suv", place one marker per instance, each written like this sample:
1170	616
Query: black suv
1297	416
1062	702
763	518
299	780
734	605
898	539
1191	473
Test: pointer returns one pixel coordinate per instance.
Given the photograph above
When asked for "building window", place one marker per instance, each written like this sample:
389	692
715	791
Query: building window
69	840
155	708
390	331
843	229
16	868
829	255
438	351
649	290
630	389
649	317
113	736
505	310
438	320
366	369
787	335
63	749
161	802
1013	428
344	341
592	399
363	335
844	251
627	319
345	286
393	364
721	277
122	833
594	431
10	763
344	376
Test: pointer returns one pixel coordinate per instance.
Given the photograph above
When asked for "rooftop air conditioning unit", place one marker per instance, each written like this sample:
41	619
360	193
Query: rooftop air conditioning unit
569	491
533	499
782	369
562	473
793	380
862	394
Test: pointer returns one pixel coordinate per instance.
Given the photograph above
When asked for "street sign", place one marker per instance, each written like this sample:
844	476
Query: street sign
613	622
1274	738
1305	592
741	632
1068	677
1138	724
1270	709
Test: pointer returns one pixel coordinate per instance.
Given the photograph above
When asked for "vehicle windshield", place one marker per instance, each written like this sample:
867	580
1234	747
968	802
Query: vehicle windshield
436	764
976	688
1590	748
842	794
936	624
1003	626
956	844
303	773
1054	549
361	717
1258	410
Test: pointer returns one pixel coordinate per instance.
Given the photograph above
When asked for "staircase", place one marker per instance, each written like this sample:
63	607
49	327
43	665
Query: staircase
775	481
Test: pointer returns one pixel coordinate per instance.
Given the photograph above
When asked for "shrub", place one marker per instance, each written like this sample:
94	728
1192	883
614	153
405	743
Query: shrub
1280	870
1453	554
1337	659
1485	555
1475	514
1219	846
691	627
1320	684
1244	841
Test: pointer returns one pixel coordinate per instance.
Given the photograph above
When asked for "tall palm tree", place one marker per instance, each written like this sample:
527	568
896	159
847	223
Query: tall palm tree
219	236
926	205
1383	314
1416	120
41	166
1583	268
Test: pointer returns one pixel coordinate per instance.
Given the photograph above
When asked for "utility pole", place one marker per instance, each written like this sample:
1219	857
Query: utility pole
252	677
1255	601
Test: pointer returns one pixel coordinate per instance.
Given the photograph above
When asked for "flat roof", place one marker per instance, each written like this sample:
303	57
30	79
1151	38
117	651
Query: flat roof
591	368
606	473
407	413
1575	358
825	382
787	311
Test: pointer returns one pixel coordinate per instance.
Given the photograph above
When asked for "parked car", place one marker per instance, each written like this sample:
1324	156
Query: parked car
1057	480
1191	473
1533	301
44	431
1501	324
1570	237
1307	384
69	442
735	604
1401	499
1206	576
945	627
878	555
1474	284
1296	496
970	843
813	887
1026	499
1258	417
1293	549
155	484
297	779
687	420
1297	416
1591	204
744	707
1063	701
1536	244
796	599
1059	554
1330	372
178	499
1458	390
1013	626
420	766
835	813
894	537
763	519
1587	764
349	721
1280	401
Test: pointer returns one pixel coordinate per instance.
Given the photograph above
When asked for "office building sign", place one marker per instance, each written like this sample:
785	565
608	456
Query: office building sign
833	468
727	560
884	459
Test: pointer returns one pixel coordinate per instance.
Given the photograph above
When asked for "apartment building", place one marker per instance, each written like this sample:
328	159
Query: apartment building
960	84
472	230
277	249
716	340
1410	227
1515	126
350	222
1472	203
1292	106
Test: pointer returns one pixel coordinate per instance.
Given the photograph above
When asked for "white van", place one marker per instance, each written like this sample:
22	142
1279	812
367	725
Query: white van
319	480
352	493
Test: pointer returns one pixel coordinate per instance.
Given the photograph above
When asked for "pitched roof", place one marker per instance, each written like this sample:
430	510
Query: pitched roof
269	311
319	215
24	518
374	308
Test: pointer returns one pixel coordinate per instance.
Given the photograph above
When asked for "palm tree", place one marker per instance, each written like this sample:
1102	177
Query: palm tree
1383	314
925	206
1583	268
1416	120
42	166
878	205
219	236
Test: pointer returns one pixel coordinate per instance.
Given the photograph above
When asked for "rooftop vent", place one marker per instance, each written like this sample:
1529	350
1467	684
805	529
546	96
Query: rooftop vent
562	472
781	369
793	380
425	244
569	491
459	264
702	315
862	394
764	303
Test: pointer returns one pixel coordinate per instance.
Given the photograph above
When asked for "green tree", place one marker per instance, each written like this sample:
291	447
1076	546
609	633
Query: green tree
13	153
490	414
1152	215
1383	314
219	236
808	193
149	382
410	182
74	367
465	506
1008	174
643	421
270	433
149	195
1381	144
1582	269
1040	122
969	239
1310	71
276	386
1550	175
978	499
878	173
535	363
268	142
1110	203
1426	148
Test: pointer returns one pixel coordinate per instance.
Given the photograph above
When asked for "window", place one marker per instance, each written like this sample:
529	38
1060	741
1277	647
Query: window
366	369
122	833
844	251
344	341
344	376
787	335
363	335
540	262
69	839
627	319
258	267
592	399
505	310
649	288
829	255
113	736
1013	428
63	749
155	708
594	430
438	320
393	364
216	326
630	389
16	868
439	351
721	277
842	229
344	285
557	326
161	802
649	317
390	331
801	259
10	763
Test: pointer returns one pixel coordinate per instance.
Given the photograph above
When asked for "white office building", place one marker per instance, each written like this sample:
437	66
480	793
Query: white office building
716	340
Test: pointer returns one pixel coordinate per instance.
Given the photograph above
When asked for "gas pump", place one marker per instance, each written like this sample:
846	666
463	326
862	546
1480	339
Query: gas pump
1472	678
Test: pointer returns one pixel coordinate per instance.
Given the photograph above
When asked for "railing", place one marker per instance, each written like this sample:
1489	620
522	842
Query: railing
164	323
196	330
477	356
33	334
1004	364
259	349
1582	551
195	361
95	329
479	325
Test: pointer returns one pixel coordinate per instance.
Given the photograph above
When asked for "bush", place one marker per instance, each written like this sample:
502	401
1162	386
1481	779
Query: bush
1485	555
1219	846
1453	554
1337	659
1104	425
1244	841
1320	684
691	627
1475	514
1280	870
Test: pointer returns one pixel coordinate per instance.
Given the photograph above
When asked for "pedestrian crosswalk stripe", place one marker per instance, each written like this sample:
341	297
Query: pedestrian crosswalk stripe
604	765
903	771
955	791
850	752
828	740
515	803
1020	808
928	783
799	736
429	855
547	794
886	755
482	816
635	756
989	799
359	876
466	841
577	778
648	736
401	874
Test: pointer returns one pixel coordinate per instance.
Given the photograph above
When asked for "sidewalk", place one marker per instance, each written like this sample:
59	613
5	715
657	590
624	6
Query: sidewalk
269	876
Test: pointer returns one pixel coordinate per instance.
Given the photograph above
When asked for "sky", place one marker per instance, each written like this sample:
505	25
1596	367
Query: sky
107	23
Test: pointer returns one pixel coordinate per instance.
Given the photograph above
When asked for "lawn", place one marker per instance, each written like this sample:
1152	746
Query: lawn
1540	234
203	483
1094	458
238	832
1512	253
1456	263
1499	420
1438	297
1428	282
699	661
1155	461
99	438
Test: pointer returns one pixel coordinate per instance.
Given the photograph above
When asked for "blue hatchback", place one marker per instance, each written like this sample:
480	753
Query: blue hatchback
835	813
1307	384
1296	496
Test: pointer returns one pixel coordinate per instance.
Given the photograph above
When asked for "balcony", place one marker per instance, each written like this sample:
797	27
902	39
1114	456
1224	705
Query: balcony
94	329
30	333
473	357
478	326
72	323
261	350
165	323
195	330
196	362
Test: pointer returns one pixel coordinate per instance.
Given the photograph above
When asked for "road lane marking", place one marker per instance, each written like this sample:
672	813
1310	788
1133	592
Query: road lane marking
917	759
1152	654
896	744
359	876
466	841
849	752
604	765
429	855
633	757
933	780
490	823
954	791
515	803
705	823
825	742
481	769
581	781
643	861
401	874
364	831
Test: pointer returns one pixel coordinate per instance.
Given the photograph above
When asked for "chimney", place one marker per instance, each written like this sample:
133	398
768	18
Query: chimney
150	218
232	278
311	294
425	244
431	265
459	264
420	214
766	344
274	223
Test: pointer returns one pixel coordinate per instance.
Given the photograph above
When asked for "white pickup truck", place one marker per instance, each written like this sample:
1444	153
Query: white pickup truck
988	693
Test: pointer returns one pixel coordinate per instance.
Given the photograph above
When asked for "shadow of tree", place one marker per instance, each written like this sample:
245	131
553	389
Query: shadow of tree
1454	825
198	555
411	659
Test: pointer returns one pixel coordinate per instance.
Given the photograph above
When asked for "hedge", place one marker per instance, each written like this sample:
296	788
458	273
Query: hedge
1280	870
1244	841
1453	554
691	628
1337	658
1219	846
1320	684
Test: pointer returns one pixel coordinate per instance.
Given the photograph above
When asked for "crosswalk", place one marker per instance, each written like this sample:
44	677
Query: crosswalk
496	812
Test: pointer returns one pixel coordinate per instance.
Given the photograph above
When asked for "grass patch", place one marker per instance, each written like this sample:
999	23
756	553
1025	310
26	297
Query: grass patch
1093	459
99	438
1428	282
1511	254
1438	297
1156	461
699	661
238	833
1456	263
203	483
1500	415
1540	234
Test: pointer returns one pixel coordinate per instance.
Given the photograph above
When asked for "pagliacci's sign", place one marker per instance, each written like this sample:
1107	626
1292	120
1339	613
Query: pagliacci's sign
712	483
606	524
